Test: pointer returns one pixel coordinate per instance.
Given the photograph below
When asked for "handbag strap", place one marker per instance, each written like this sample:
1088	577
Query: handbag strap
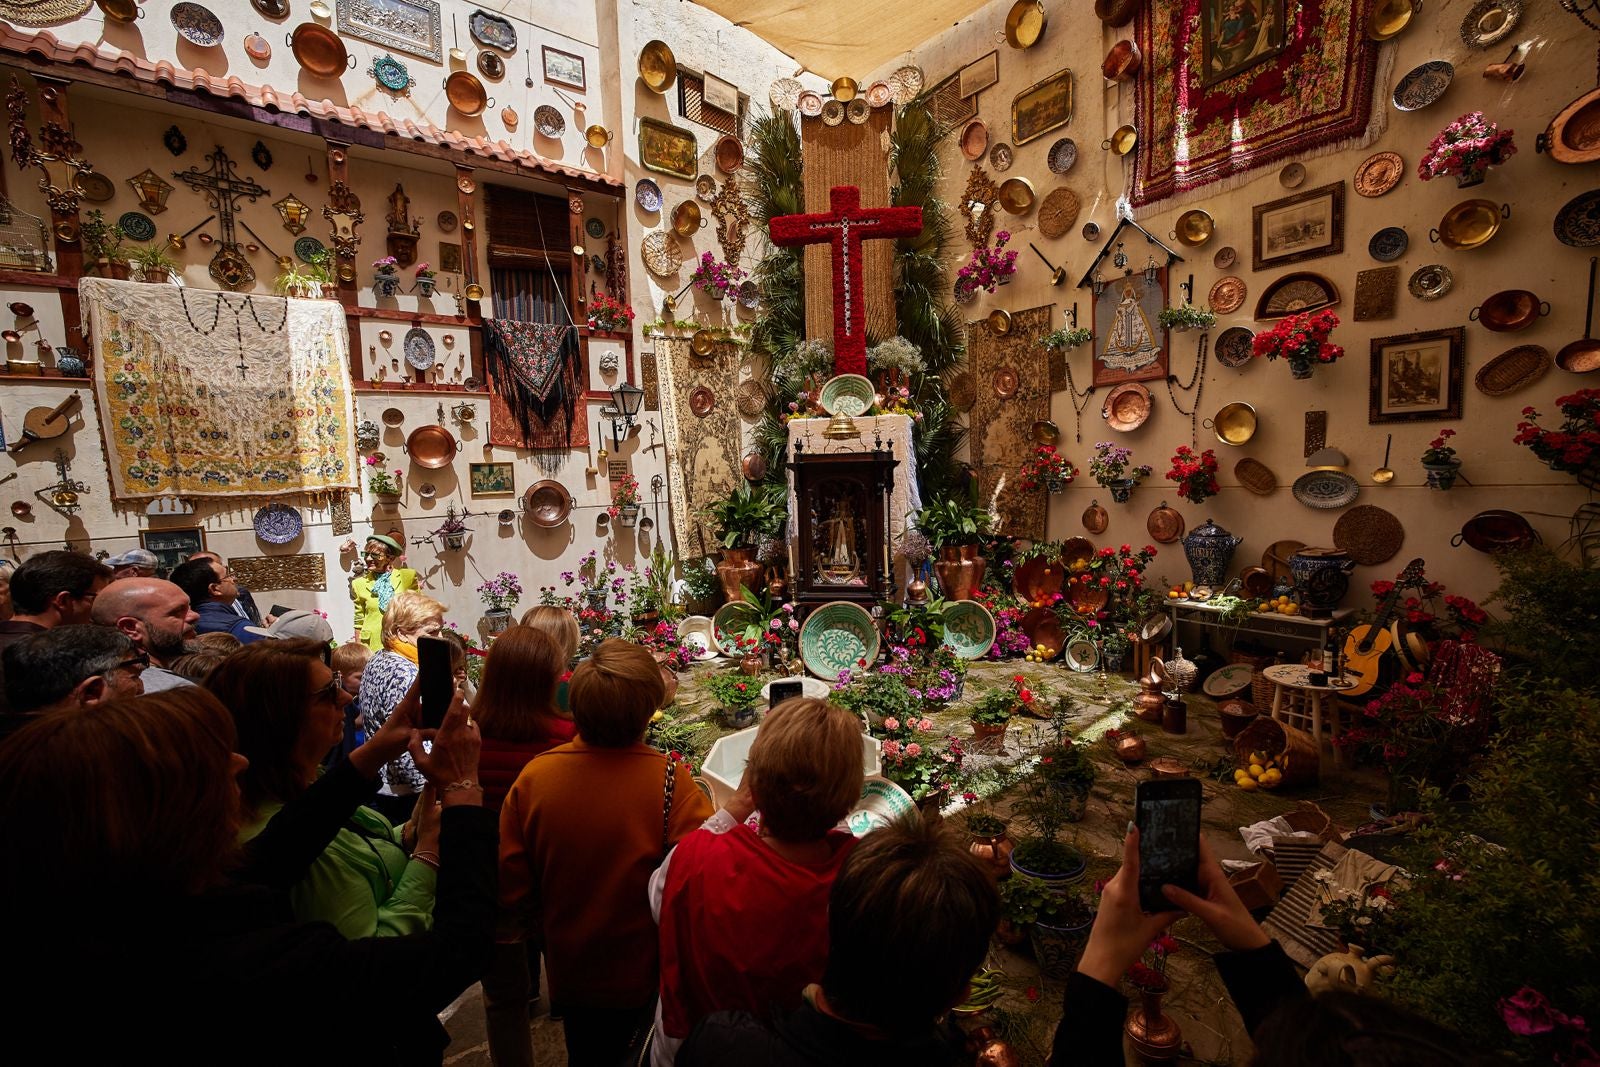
669	787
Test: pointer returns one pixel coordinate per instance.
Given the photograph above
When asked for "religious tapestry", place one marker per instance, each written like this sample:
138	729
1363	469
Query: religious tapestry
210	394
1129	342
703	464
1229	86
1013	387
534	385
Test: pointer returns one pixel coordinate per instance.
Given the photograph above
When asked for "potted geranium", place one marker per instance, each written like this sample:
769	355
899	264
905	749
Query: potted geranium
1420	735
1575	446
425	282
737	696
386	276
919	761
1186	317
986	268
1111	467
1196	475
1439	460
501	594
625	501
715	277
1046	469
1302	340
1466	148
991	713
607	314
380	483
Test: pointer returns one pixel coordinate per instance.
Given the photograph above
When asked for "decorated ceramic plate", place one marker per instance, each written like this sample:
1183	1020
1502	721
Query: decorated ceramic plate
647	194
1578	222
832	112
1063	154
963	393
695	631
137	226
307	249
1233	346
1423	85
881	803
548	121
391	74
1226	681
1431	281
810	104
595	228
1326	490
749	295
969	629
1226	257
1082	655
197	25
1000	157
278	524
837	637
731	622
784	94
419	348
1388	244
96	188
847	394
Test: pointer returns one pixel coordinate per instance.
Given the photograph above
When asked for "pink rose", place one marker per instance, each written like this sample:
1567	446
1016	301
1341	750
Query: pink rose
913	750
891	723
925	724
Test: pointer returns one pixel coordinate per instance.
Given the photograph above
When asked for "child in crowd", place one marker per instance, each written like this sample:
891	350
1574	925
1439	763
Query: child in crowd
458	663
348	661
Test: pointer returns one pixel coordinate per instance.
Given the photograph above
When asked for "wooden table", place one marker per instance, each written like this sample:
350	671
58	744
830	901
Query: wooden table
1297	702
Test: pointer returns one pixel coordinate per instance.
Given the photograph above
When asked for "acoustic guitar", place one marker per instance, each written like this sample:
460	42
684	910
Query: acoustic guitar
41	424
1367	644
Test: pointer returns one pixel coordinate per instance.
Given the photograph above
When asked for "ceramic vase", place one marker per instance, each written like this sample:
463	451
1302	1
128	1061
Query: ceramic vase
1300	368
1151	1031
70	364
1209	549
738	567
960	570
1474	174
425	286
1442	475
1057	947
628	515
385	283
1121	490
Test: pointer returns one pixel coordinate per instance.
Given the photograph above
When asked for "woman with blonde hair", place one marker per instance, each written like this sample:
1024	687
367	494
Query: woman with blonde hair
559	625
580	832
384	683
744	913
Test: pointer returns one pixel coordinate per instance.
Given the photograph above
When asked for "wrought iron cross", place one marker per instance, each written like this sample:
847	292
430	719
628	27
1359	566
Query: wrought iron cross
222	187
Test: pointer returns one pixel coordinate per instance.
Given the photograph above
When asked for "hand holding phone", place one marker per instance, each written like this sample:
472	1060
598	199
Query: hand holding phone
435	680
778	692
1167	814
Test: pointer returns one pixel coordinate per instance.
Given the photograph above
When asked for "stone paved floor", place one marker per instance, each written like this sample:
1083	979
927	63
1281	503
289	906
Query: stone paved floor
1031	1006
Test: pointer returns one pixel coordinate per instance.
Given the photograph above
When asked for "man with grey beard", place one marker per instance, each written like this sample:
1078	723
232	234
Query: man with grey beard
156	616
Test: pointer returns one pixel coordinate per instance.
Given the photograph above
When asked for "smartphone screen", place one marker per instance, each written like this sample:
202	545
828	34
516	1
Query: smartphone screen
1167	813
778	692
436	680
279	609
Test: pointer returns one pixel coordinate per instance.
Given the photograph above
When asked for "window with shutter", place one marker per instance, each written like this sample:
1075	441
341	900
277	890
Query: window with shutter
527	242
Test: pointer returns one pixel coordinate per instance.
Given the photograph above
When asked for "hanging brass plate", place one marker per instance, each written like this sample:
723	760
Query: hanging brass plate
658	67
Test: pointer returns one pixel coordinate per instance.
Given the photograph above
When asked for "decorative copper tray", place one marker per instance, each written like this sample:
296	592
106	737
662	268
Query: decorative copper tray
1165	525
1227	296
432	446
319	50
466	94
547	503
1379	173
1126	407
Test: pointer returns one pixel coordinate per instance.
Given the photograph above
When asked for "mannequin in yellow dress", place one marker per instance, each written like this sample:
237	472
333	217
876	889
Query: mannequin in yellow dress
381	583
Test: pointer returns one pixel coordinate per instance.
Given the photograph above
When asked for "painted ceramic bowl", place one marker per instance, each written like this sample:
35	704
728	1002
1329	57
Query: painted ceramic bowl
838	637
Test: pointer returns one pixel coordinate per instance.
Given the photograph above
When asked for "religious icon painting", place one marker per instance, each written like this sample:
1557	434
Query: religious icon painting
1042	107
1130	345
668	149
1417	377
1237	34
449	257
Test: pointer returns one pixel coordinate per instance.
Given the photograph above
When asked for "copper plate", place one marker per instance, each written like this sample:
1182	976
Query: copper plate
1045	432
1025	23
1509	309
1043	627
1227	296
393	416
1256	581
1122	62
1255	476
1369	534
1115	13
319	50
465	93
975	140
1491	531
1038	579
1389	17
1077	550
1006	382
547	503
702	401
1379	173
1095	519
1165	525
729	154
432	446
1126	407
658	67
1276	559
491	66
963	393
703	343
754	467
1000	321
509	116
1513	369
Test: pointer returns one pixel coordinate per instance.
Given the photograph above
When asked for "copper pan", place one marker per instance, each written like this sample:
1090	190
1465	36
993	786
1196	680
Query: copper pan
547	503
466	94
1496	530
1122	62
1583	355
1510	309
1573	136
319	50
432	446
1025	23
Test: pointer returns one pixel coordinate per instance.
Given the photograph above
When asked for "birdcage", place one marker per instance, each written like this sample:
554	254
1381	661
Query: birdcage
24	240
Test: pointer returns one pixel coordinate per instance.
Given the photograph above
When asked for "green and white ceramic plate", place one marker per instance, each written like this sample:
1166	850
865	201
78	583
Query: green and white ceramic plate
1082	656
838	637
848	394
969	629
881	803
730	623
1226	681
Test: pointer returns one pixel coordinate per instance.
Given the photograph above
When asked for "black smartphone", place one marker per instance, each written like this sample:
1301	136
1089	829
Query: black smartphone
778	692
436	681
1167	813
279	610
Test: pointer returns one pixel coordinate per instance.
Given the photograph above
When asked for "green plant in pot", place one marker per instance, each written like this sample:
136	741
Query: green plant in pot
1059	928
743	518
737	695
102	245
1186	317
956	527
308	279
153	262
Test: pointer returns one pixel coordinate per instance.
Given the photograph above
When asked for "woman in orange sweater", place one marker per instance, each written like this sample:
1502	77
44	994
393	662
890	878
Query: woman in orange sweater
580	833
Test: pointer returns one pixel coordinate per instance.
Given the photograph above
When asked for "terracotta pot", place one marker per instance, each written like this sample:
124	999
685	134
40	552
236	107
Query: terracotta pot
738	567
1153	1033
671	680
994	850
118	269
982	731
155	275
960	570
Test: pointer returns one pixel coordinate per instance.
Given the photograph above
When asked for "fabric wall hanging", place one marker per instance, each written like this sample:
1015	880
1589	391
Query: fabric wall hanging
704	464
307	571
1250	96
210	394
1001	426
534	385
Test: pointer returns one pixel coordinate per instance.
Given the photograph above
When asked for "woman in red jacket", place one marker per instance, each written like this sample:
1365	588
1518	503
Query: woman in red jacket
516	713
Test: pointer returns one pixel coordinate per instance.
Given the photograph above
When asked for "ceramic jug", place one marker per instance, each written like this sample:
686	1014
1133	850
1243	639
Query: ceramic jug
1210	550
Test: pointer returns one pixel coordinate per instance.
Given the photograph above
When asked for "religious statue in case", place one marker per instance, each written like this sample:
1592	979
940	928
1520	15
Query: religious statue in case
841	547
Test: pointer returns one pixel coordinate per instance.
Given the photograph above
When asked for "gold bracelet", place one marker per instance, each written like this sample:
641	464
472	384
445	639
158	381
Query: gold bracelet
465	783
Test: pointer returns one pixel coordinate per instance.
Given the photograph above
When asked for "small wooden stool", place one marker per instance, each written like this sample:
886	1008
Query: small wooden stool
1298	703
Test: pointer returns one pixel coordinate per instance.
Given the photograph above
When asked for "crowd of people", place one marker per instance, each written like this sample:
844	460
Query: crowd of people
238	845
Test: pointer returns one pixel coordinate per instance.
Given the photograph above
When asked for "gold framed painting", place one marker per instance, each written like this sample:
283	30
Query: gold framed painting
492	479
1042	107
668	149
1307	225
1417	377
1235	35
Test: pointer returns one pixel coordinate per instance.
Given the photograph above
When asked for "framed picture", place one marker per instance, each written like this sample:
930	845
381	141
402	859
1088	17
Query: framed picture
1416	377
492	479
978	75
1236	35
449	258
668	149
563	68
1129	344
409	26
1306	225
172	547
1042	107
724	96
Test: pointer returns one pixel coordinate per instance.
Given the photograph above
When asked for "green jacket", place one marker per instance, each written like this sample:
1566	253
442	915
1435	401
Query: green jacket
369	617
363	883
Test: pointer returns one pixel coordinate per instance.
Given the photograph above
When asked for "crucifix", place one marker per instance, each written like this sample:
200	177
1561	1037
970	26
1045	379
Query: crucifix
222	187
846	227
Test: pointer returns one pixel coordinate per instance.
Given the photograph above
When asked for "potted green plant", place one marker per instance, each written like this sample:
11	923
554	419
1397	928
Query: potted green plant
700	585
306	280
102	245
956	527
995	708
879	698
742	519
1186	317
153	262
380	483
1064	340
1060	929
736	695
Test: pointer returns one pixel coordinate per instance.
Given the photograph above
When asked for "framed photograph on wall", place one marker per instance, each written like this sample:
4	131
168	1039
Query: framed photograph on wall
1236	35
1129	344
1417	377
563	68
1306	225
492	479
722	95
668	149
172	547
1042	107
978	75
